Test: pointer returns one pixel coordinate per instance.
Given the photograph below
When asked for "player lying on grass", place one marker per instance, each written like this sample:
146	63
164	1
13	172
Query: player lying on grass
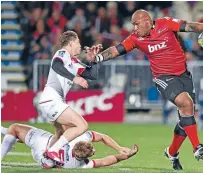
75	154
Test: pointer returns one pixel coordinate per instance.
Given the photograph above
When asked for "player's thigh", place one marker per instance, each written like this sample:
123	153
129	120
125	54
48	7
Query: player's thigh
169	86
70	117
37	139
187	81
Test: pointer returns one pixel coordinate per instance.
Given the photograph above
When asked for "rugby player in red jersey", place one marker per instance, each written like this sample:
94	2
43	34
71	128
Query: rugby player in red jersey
158	40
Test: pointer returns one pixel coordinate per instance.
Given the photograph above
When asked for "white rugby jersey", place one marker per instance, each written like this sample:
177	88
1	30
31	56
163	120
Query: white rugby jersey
59	83
69	159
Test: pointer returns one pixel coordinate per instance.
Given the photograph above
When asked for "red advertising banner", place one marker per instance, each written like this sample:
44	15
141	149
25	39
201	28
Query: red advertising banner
17	106
93	105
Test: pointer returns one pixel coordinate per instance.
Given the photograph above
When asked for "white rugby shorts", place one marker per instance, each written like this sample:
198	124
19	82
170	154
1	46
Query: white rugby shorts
53	108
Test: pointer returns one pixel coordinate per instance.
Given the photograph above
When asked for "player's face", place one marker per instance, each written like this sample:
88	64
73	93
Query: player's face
140	26
76	47
93	152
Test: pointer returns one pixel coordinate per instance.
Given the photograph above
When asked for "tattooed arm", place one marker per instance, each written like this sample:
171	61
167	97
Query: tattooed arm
192	27
125	46
107	54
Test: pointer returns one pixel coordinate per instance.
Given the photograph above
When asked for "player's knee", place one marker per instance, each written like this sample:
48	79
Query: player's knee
13	128
188	103
187	106
83	127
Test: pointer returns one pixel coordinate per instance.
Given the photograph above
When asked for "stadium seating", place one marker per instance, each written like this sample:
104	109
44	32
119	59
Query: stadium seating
11	49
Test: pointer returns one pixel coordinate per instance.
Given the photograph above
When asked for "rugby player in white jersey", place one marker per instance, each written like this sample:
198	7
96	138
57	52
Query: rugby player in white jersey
65	70
75	154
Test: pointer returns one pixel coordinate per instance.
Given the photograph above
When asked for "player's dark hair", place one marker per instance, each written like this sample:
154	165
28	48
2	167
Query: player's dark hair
66	37
83	150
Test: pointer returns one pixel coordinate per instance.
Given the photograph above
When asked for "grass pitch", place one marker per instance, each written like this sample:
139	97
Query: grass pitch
151	139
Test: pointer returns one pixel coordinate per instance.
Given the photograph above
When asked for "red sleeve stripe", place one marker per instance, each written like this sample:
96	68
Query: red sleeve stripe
74	60
94	164
80	71
58	58
93	136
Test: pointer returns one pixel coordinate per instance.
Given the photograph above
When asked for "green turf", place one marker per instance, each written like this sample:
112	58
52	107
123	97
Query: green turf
152	139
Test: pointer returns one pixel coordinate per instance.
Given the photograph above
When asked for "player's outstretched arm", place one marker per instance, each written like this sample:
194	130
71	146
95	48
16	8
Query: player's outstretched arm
191	27
122	48
107	54
113	159
107	140
109	160
194	27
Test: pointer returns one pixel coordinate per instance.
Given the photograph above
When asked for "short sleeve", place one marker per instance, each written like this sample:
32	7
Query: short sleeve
90	136
129	43
173	24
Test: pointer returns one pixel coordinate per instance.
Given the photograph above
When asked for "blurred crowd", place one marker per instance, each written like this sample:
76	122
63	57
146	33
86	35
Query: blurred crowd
107	23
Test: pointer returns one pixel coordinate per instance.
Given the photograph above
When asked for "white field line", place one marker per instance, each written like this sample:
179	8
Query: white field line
19	154
10	164
13	164
125	169
122	169
20	164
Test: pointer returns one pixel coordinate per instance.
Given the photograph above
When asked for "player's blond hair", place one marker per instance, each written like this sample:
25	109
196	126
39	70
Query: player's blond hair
83	149
66	37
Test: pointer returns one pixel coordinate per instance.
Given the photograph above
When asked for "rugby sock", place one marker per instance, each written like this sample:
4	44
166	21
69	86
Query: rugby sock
59	144
190	127
4	130
178	139
7	143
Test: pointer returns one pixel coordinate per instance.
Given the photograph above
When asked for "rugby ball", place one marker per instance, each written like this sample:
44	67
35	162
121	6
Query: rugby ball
200	39
47	163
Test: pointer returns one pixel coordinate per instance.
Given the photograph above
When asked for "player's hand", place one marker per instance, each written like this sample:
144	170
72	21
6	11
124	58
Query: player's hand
80	81
124	150
91	52
133	151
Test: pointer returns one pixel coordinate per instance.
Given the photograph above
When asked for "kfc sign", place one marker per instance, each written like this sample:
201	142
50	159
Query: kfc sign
86	106
97	106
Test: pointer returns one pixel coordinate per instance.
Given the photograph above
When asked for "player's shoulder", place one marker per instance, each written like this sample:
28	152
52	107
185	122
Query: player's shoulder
62	53
165	19
162	19
162	22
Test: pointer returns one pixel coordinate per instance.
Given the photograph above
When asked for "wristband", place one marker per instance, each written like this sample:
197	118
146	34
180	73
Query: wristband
99	58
